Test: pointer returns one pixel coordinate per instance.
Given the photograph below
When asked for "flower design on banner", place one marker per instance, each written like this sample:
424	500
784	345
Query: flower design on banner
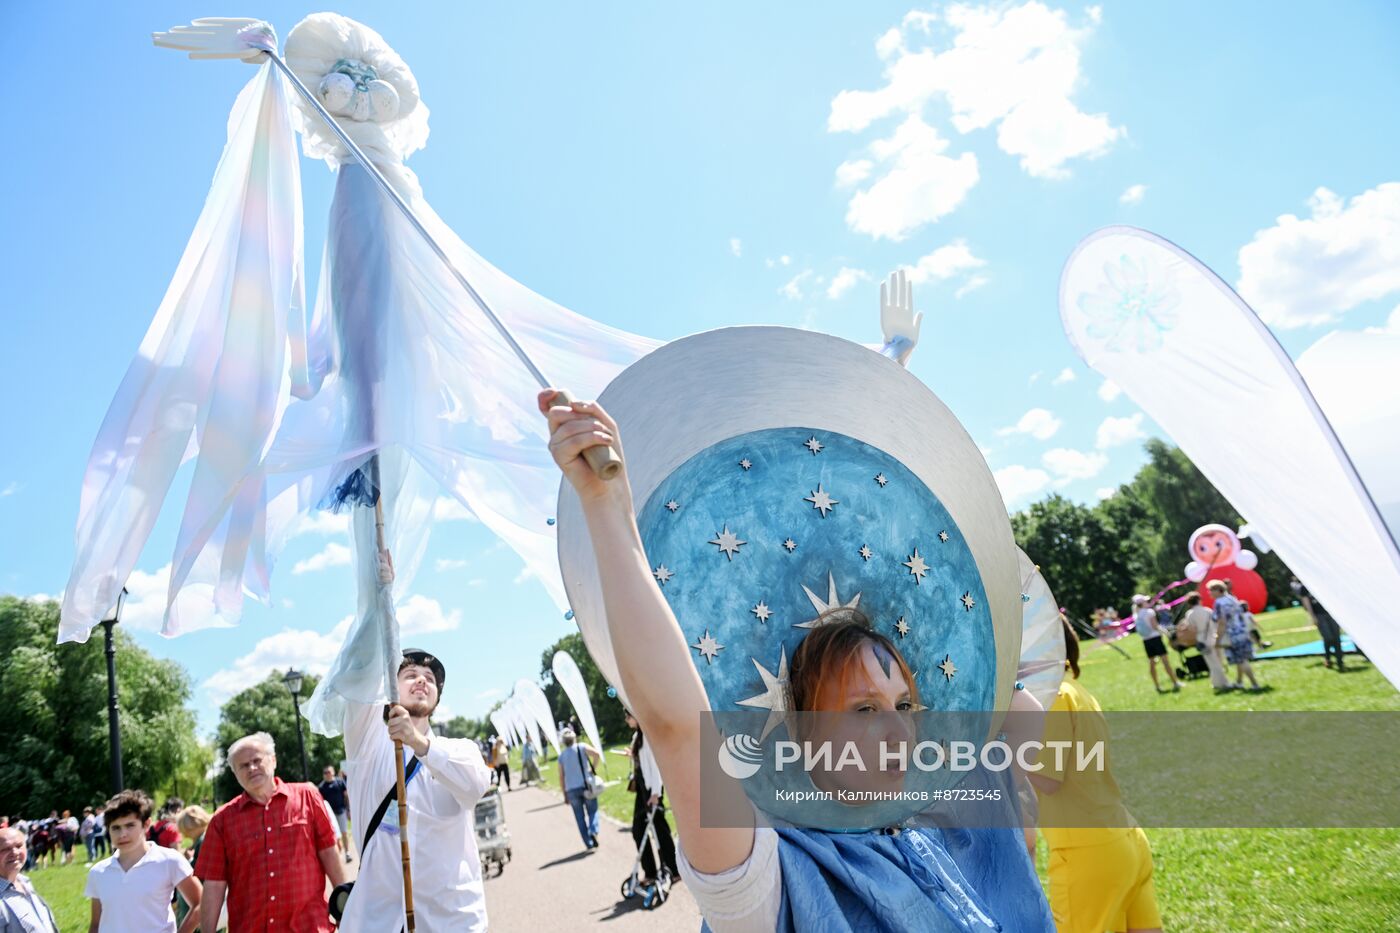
1134	305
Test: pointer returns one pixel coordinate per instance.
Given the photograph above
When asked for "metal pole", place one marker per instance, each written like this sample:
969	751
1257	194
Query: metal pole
301	743
114	728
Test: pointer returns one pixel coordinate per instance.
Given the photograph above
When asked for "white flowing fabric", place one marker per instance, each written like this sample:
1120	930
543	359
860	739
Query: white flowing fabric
1042	636
568	676
1200	363
537	705
206	384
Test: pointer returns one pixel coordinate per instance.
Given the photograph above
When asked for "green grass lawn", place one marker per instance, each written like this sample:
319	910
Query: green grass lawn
1207	880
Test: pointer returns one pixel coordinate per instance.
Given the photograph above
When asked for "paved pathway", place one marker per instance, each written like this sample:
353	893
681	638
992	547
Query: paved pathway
552	883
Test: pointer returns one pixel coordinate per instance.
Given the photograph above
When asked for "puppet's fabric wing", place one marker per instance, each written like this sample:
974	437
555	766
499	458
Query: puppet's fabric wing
1199	362
205	382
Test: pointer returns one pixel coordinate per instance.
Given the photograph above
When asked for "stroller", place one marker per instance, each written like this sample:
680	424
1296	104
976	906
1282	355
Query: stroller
492	837
1183	639
653	895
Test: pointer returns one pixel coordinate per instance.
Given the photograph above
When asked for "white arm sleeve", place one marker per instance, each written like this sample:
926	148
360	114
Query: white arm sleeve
745	898
457	765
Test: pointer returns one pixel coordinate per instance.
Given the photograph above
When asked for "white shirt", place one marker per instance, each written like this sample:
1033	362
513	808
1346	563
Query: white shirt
137	900
447	891
742	899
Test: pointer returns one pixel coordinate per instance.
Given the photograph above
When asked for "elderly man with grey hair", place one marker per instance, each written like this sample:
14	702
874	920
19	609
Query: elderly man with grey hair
22	910
269	850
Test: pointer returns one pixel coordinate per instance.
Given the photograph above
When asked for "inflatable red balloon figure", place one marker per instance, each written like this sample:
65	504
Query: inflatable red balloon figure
1216	554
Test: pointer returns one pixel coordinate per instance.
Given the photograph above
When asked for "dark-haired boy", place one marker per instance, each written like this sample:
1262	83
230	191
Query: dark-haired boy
131	890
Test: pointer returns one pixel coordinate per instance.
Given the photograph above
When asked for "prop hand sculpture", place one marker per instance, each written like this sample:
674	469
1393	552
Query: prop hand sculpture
898	320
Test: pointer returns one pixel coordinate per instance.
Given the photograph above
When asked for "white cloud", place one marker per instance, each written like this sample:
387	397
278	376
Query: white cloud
946	262
780	261
448	509
1114	432
971	285
793	289
920	183
1038	423
1066	375
1018	483
1070	465
1105	492
420	615
333	555
145	602
308	651
844	281
442	564
736	246
10	489
1312	271
1108	390
853	172
1012	68
1034	377
322	522
486	695
1133	194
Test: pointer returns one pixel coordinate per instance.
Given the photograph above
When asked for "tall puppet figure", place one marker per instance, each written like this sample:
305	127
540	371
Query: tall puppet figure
1217	554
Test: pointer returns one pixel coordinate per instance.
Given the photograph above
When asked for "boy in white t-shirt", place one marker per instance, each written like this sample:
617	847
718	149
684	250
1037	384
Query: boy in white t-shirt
132	889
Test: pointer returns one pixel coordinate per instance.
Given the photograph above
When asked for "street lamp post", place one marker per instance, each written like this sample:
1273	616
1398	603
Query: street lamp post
114	728
293	682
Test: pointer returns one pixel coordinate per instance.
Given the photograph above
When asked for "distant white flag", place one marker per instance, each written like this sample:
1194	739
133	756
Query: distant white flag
537	705
1199	362
568	676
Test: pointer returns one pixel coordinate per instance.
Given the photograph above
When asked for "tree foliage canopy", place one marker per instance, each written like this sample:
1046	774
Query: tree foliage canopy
611	722
1135	541
267	707
55	734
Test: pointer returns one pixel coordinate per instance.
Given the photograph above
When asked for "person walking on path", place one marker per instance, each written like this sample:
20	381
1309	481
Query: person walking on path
68	828
337	796
529	770
88	831
650	793
576	763
269	850
1100	871
131	890
22	910
1153	642
1239	647
445	779
1199	618
500	762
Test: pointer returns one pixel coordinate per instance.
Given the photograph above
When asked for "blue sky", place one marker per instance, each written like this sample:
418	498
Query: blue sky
671	169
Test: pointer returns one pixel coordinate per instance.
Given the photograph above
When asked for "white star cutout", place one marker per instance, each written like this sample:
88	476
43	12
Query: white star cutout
707	646
917	566
943	536
881	479
728	542
762	611
814	445
865	552
821	500
662	574
673	505
948	667
968	602
901	627
832	601
746	463
790	544
776	696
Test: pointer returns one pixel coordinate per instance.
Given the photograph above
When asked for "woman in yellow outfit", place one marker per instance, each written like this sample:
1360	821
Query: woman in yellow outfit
1100	862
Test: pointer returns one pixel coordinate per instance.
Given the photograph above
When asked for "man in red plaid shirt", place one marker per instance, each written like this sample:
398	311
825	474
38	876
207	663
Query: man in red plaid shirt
269	850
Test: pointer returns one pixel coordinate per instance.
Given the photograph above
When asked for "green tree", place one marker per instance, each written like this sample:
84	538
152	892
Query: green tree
611	723
267	707
461	727
1078	552
55	734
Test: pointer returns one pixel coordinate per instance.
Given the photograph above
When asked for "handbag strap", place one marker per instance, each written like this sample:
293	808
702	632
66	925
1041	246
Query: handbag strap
374	821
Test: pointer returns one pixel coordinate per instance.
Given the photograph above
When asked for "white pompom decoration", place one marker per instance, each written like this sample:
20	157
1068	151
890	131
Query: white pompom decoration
383	101
336	90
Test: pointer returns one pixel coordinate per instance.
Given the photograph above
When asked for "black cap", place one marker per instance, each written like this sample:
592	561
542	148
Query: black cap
424	659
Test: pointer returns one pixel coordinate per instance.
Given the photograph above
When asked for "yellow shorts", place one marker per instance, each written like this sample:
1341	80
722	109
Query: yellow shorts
1102	887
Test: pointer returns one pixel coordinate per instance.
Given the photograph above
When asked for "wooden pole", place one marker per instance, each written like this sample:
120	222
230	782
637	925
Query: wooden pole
400	785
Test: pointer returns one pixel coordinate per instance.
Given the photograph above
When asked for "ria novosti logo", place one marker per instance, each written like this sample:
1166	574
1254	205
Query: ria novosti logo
740	756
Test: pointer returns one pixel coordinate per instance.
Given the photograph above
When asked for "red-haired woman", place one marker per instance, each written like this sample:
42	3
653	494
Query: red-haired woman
757	878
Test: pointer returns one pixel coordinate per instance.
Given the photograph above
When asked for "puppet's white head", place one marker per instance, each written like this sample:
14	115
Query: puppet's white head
360	80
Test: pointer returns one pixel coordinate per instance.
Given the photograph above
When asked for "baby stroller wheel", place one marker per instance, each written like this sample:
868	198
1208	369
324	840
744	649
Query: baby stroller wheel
654	898
629	889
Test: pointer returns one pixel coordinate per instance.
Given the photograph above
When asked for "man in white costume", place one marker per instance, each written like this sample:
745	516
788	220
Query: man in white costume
449	777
